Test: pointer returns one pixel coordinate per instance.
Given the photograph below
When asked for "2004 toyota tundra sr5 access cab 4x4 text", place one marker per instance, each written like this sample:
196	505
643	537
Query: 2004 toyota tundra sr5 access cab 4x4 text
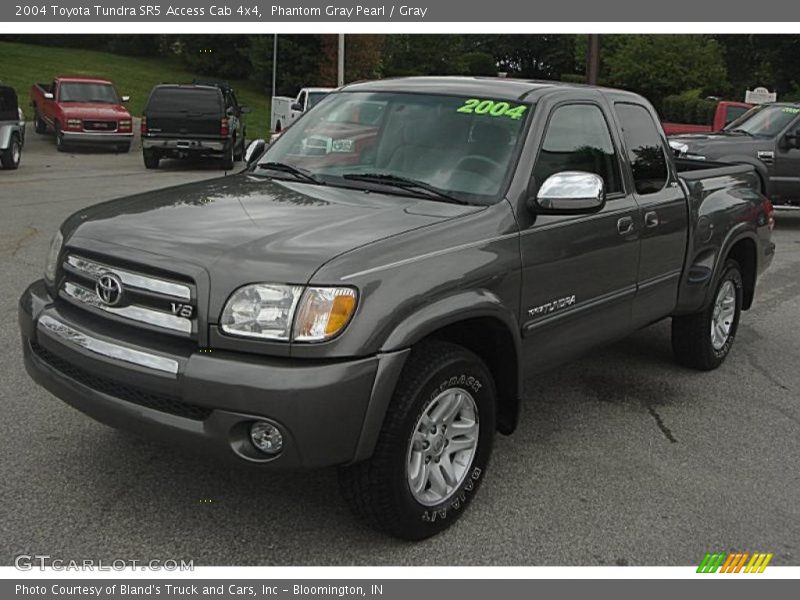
368	293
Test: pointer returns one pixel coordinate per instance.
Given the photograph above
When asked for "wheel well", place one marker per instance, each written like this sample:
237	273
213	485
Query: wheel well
744	253
491	340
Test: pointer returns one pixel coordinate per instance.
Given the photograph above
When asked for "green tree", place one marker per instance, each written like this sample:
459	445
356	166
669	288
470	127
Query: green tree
659	65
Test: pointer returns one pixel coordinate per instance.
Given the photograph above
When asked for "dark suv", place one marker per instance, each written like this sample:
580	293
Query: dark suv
193	120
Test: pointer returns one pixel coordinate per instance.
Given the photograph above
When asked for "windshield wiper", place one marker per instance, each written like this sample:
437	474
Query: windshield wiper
737	130
298	172
404	183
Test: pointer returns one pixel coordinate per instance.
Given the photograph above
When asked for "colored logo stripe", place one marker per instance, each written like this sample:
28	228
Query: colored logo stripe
733	562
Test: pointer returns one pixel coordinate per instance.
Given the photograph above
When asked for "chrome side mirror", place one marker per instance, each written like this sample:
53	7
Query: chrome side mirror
571	193
126	99
48	96
254	151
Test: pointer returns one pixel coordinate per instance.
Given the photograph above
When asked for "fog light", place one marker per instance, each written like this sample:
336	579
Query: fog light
266	437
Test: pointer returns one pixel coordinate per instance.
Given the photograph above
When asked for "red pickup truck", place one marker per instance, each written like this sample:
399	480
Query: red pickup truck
82	110
727	111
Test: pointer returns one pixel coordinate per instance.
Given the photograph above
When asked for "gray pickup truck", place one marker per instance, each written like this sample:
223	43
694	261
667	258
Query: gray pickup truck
372	291
767	137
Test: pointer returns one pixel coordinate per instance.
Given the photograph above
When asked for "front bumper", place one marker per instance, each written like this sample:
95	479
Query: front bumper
329	412
96	138
177	145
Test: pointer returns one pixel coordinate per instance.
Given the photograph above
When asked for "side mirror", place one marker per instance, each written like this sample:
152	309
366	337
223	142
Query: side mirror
126	99
570	193
230	111
254	151
244	109
48	96
791	140
297	107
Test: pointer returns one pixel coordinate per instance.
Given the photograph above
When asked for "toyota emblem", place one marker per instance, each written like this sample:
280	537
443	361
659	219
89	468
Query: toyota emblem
109	289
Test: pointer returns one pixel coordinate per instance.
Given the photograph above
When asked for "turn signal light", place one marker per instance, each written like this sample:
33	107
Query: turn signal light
143	127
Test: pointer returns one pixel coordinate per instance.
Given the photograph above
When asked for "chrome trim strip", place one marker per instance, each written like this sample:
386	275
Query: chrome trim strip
94	269
135	313
72	336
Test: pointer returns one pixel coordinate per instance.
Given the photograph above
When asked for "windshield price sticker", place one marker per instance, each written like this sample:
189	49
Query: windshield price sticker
492	108
790	110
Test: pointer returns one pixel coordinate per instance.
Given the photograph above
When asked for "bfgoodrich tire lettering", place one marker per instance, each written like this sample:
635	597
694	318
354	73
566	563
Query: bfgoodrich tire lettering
378	489
693	343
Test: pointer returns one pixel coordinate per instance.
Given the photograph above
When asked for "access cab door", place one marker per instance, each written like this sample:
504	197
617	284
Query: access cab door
664	212
579	272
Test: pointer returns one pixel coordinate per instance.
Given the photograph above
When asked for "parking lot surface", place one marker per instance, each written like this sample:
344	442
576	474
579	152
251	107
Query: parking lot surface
621	458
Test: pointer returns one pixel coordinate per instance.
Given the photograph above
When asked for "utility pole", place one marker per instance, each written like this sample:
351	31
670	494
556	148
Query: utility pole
593	59
340	78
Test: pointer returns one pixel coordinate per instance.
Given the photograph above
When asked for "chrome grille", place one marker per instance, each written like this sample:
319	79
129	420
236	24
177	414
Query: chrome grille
99	125
146	300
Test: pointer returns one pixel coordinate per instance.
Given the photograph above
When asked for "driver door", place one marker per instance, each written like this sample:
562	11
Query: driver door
579	272
785	176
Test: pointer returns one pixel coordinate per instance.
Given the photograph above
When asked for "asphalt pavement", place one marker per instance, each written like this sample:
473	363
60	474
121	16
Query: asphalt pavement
621	458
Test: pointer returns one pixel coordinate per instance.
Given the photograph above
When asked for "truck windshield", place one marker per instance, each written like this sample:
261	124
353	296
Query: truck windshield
462	147
88	92
766	120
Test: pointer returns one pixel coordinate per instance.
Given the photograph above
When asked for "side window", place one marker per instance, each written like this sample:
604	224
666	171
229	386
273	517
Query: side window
734	112
301	100
645	148
578	139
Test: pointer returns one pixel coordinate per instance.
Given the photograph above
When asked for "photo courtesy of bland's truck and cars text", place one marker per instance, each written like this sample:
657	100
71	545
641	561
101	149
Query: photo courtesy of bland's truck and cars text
374	290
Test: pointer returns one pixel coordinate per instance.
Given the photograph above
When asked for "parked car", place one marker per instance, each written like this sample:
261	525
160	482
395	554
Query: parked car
182	121
285	109
726	112
381	314
767	137
12	128
82	110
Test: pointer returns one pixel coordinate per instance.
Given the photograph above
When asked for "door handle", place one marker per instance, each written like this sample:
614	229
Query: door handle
651	219
625	225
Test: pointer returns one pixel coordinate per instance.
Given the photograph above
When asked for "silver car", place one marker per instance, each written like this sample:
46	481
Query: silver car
12	128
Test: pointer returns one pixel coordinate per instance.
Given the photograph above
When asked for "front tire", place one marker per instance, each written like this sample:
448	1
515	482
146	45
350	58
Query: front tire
59	138
434	446
151	159
9	158
703	340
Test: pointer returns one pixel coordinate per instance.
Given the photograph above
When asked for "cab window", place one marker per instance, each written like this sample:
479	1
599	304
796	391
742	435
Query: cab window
578	139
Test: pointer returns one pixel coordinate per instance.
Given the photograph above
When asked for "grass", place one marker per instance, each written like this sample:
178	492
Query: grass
26	64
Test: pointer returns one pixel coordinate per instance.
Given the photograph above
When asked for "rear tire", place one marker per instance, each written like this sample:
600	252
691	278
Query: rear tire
242	147
39	126
151	159
10	158
227	158
703	340
414	445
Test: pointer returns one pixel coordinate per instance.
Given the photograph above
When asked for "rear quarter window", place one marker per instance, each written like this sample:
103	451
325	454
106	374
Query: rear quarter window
185	100
644	147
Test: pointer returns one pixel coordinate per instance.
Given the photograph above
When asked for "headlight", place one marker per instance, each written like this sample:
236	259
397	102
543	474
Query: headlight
288	312
261	310
52	256
324	312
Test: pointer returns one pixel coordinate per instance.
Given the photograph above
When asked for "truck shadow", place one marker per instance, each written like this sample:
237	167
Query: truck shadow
217	513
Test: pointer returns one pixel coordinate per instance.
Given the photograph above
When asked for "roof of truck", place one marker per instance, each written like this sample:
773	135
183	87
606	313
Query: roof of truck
494	87
82	79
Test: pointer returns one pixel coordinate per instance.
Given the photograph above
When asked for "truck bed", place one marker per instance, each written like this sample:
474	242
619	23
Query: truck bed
704	177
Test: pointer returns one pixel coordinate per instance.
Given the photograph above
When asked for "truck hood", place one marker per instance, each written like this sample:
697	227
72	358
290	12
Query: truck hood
94	110
243	228
718	145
